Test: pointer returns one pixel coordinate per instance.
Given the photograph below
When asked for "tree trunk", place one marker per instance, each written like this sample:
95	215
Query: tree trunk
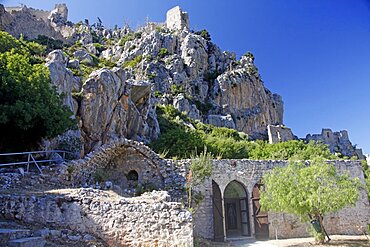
322	226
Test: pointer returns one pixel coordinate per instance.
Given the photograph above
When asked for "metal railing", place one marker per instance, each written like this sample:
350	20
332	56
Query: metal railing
36	158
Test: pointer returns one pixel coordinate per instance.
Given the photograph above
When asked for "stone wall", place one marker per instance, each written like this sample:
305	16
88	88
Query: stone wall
149	220
117	158
279	133
32	22
121	156
338	142
177	19
249	172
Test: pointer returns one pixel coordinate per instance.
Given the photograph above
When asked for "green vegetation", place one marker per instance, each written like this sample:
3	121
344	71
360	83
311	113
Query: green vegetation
133	63
205	34
308	191
129	37
250	55
180	141
50	43
203	107
99	47
29	107
163	52
366	169
200	169
176	89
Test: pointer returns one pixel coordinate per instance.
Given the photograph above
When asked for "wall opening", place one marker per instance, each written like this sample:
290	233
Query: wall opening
236	210
132	176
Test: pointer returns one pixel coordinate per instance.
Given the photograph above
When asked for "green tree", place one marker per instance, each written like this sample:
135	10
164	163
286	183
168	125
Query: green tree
308	191
29	107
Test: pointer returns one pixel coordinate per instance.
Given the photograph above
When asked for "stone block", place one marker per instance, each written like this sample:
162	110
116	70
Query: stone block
27	242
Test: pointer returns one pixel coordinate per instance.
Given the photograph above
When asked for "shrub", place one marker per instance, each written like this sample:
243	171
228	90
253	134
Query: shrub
163	52
99	47
129	37
224	142
133	63
205	34
50	43
176	89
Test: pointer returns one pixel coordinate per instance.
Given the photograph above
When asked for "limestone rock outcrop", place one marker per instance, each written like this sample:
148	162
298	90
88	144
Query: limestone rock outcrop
157	64
113	107
243	96
63	79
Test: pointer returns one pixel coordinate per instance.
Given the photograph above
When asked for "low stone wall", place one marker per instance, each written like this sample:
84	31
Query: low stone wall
349	220
149	220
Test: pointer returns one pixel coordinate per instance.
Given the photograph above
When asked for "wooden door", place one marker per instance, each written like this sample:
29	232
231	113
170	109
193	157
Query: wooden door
244	217
218	223
261	224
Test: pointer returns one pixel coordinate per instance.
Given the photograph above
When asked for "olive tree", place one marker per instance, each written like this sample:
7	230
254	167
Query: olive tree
309	191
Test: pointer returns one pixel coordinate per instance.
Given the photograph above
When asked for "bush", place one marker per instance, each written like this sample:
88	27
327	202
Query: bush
129	37
176	89
163	52
50	43
133	63
29	107
181	141
205	34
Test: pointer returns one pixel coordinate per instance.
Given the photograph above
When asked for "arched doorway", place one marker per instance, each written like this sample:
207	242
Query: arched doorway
218	224
236	210
261	224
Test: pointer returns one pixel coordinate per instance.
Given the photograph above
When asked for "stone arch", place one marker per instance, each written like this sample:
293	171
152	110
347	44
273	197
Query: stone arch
120	156
236	208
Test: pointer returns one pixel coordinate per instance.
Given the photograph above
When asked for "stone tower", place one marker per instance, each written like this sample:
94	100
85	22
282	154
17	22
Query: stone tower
177	19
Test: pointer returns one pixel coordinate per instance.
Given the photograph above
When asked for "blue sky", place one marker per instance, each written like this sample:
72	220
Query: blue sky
316	54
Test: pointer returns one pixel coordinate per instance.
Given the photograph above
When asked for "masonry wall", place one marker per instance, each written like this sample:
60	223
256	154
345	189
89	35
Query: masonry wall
124	155
149	220
249	172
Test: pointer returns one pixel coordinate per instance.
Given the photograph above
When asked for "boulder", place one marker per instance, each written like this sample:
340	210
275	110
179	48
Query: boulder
84	57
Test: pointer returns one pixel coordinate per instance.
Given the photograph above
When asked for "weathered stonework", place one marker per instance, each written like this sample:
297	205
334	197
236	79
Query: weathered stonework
177	19
171	176
32	22
338	142
249	172
149	220
117	158
279	133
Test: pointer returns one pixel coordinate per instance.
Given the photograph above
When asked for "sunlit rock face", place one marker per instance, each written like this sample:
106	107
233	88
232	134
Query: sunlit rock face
158	64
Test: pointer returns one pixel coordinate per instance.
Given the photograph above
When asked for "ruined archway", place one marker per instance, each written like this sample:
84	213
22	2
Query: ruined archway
236	210
218	224
115	161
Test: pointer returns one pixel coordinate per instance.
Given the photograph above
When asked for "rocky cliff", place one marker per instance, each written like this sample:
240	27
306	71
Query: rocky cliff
113	78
